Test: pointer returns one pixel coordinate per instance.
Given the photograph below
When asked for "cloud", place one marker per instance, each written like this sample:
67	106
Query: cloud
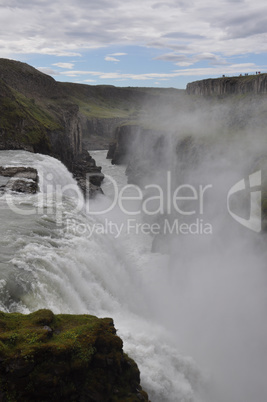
67	28
64	65
184	60
184	63
89	80
182	35
174	58
47	70
244	24
234	69
211	32
118	54
183	4
109	58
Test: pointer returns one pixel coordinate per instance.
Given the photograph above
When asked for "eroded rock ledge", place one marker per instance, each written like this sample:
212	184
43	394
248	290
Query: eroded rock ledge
19	179
47	357
88	176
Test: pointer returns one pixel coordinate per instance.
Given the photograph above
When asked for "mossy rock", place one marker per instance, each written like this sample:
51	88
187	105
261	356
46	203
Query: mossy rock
47	357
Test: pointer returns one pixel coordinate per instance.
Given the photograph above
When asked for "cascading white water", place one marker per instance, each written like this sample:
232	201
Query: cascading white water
210	291
206	299
50	260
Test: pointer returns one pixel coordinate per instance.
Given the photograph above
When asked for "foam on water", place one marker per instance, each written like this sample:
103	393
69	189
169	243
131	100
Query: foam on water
46	264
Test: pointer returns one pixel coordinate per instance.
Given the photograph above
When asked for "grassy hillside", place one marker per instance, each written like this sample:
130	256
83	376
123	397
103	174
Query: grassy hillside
34	106
107	101
23	121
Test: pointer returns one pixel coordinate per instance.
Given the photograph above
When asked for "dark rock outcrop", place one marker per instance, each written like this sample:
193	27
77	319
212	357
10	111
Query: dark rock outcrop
19	179
47	357
140	149
123	144
87	174
98	132
71	145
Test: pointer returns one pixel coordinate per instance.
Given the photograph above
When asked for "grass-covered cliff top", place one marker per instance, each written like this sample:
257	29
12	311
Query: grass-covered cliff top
22	335
23	120
33	106
99	101
47	357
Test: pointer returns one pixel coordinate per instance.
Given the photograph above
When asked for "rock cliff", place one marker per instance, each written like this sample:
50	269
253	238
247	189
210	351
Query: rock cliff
47	357
42	115
98	132
141	149
37	116
253	84
123	143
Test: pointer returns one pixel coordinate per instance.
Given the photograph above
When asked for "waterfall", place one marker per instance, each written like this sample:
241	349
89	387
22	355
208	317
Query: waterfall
48	260
193	319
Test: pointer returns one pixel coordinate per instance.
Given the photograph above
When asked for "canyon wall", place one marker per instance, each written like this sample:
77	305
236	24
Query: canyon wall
254	84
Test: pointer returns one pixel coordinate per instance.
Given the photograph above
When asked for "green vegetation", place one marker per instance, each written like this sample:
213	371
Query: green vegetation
107	101
64	357
92	109
20	334
38	112
22	121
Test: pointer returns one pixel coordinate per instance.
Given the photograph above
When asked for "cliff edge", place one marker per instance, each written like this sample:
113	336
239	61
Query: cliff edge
248	84
47	357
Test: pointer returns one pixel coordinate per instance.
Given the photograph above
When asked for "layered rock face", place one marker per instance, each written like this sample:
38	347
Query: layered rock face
140	149
27	120
41	115
47	357
36	116
254	84
123	144
89	176
98	132
18	179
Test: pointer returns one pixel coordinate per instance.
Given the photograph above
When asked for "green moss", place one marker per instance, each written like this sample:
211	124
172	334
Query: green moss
23	121
64	357
102	108
38	113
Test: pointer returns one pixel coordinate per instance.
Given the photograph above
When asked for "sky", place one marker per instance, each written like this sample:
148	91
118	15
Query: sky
146	43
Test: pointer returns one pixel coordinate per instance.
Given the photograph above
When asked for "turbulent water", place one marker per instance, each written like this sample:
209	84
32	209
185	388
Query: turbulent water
193	320
49	260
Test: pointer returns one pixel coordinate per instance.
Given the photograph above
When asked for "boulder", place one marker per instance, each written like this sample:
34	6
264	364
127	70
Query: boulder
19	179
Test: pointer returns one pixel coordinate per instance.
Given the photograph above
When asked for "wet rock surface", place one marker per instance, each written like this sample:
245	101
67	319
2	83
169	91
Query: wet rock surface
89	176
19	179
